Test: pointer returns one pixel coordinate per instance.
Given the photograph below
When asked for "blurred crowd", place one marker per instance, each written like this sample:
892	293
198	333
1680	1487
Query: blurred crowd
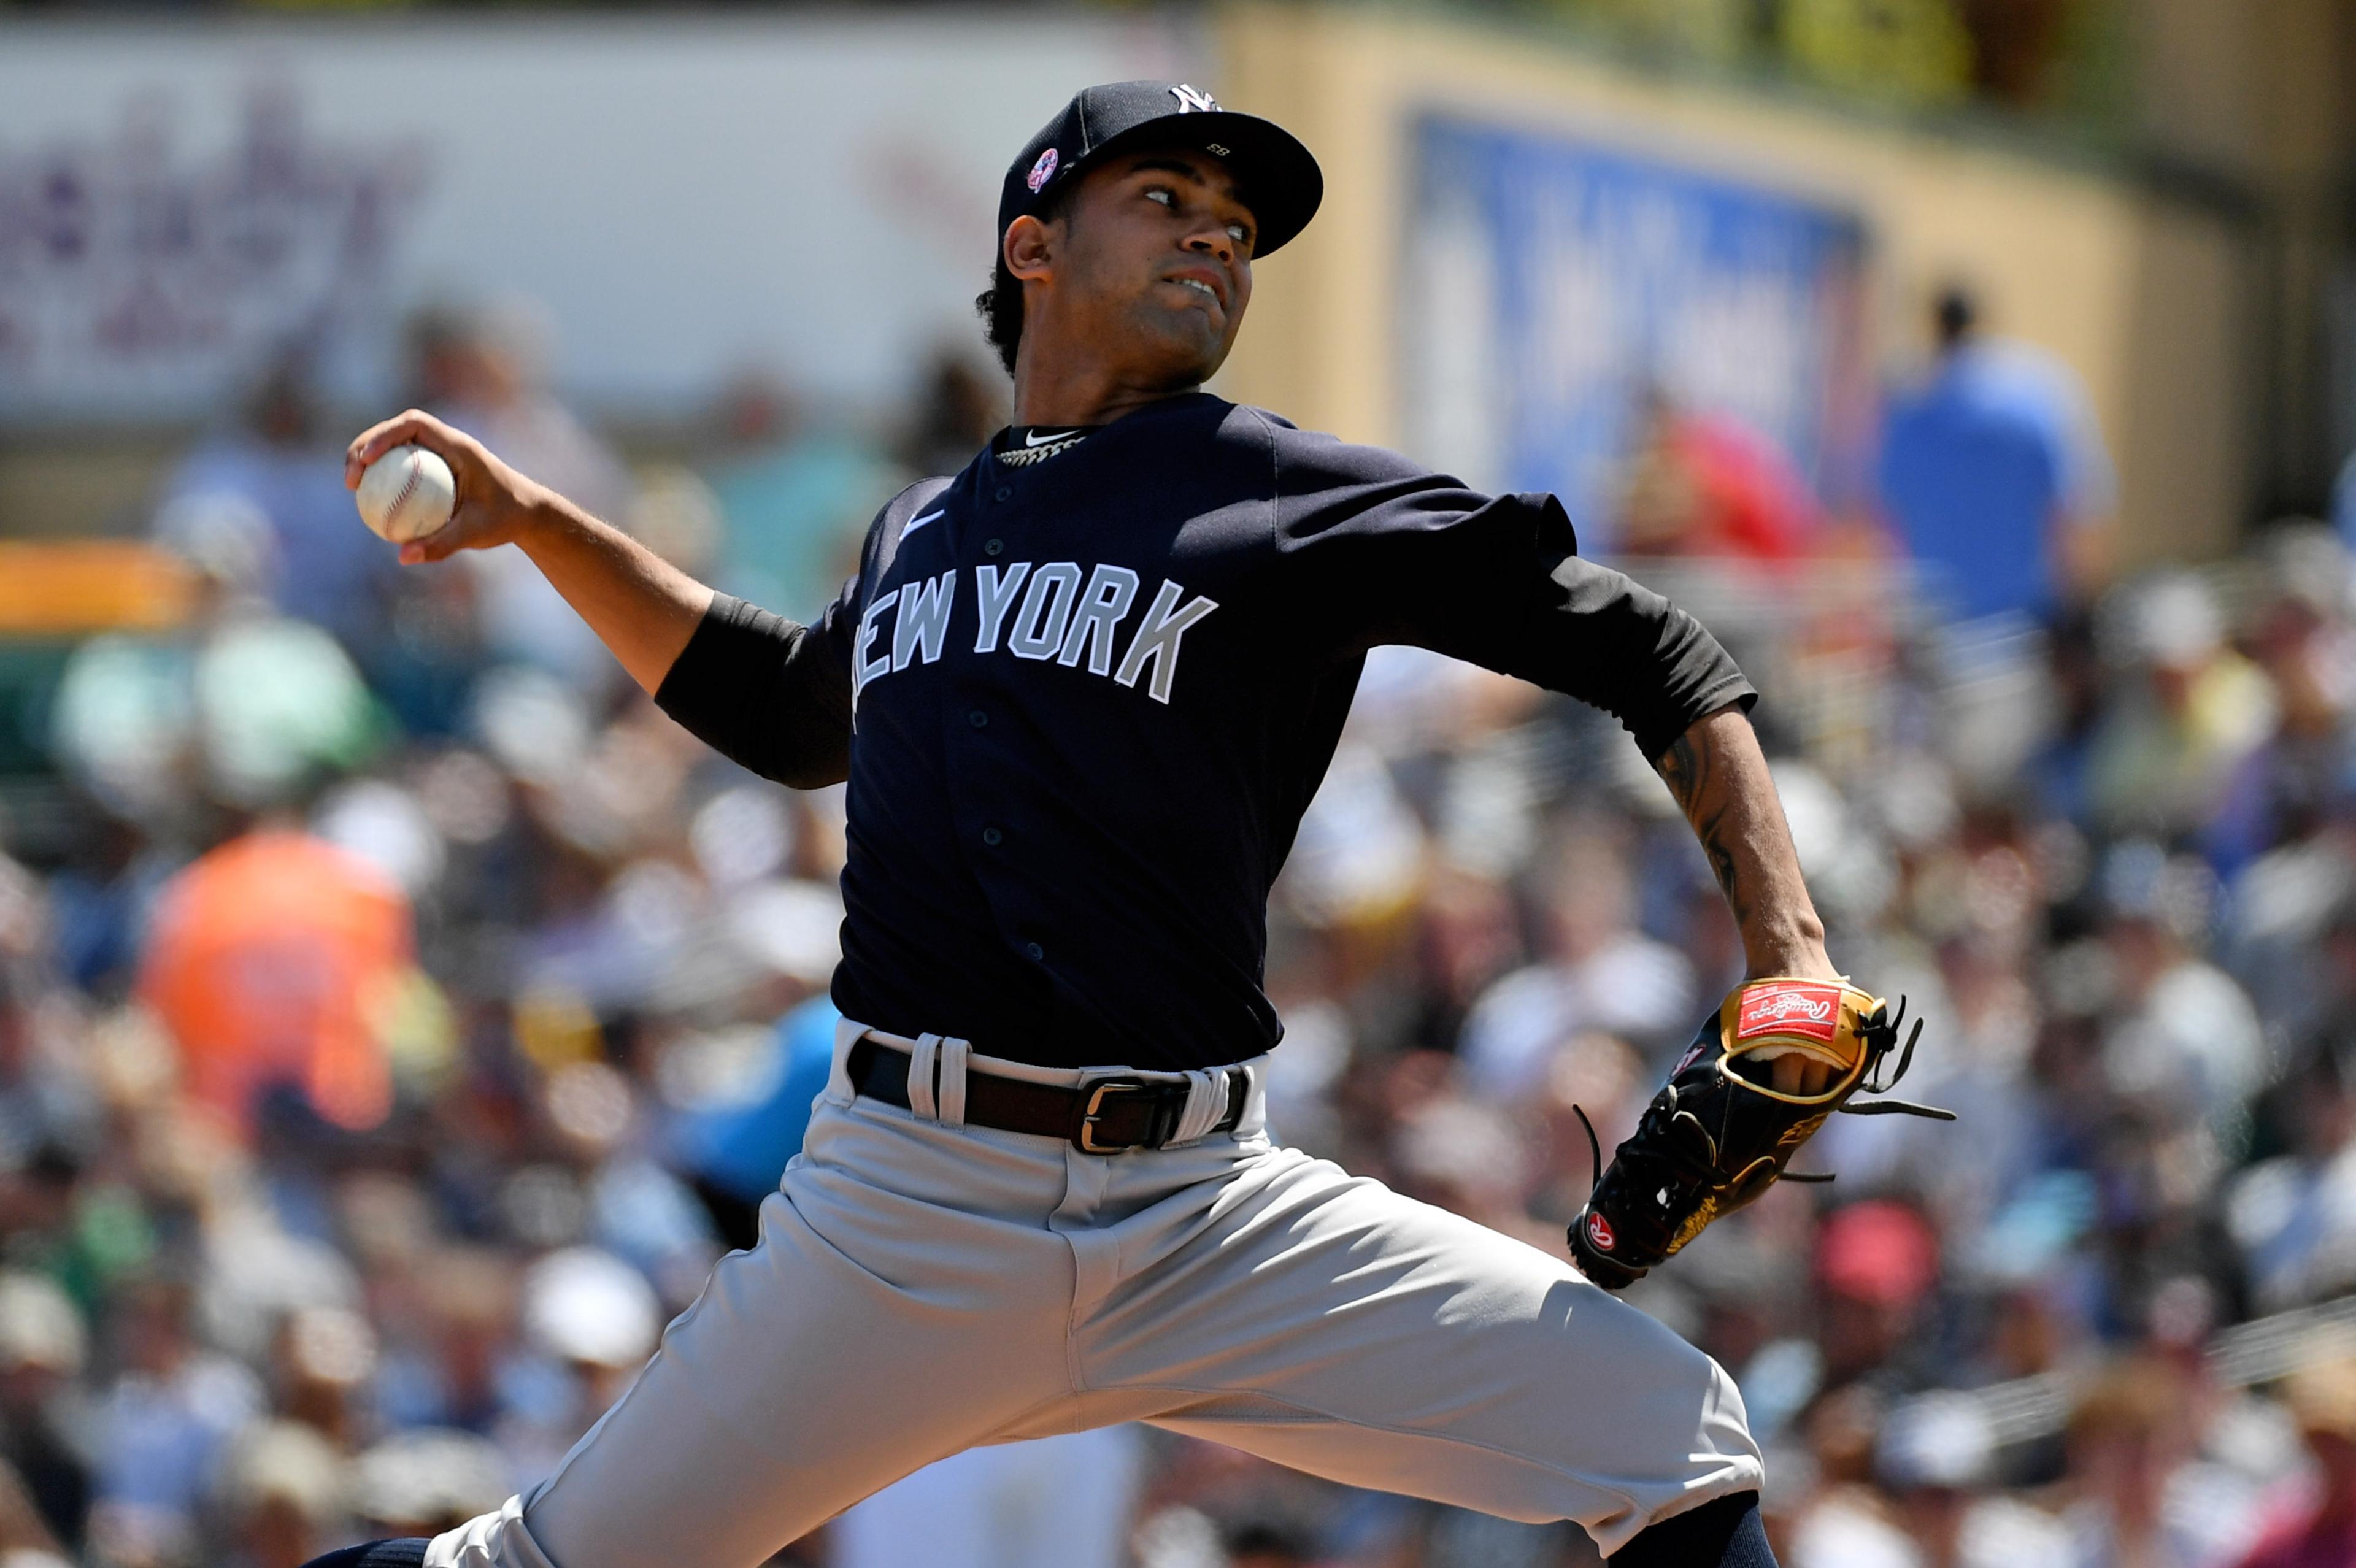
415	1014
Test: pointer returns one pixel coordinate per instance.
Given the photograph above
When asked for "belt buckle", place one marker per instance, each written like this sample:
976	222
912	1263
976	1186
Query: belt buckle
1094	1111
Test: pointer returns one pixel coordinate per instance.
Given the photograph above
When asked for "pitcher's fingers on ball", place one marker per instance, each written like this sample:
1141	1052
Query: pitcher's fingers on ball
436	545
410	427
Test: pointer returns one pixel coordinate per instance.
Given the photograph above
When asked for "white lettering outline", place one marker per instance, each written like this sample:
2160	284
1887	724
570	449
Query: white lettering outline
861	671
1111	592
1047	611
924	621
1158	635
993	596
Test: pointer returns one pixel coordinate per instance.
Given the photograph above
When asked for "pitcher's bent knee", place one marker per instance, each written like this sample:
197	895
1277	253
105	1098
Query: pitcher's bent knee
1679	1436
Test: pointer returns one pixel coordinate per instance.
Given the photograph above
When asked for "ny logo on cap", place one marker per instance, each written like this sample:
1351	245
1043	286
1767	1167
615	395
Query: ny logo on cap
1192	99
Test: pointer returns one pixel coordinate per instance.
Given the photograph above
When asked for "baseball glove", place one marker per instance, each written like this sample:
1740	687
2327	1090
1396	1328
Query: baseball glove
1718	1135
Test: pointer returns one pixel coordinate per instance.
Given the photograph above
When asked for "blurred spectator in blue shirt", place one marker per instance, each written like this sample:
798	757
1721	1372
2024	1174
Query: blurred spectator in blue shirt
737	1151
484	369
328	570
1995	476
164	1426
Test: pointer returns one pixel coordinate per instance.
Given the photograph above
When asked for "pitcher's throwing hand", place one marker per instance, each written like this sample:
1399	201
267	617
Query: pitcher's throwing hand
494	500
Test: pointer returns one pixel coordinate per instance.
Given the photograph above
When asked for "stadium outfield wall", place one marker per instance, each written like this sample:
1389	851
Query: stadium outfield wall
685	197
2147	299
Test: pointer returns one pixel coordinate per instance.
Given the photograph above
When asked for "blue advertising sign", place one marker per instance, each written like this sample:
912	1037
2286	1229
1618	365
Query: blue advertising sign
1553	290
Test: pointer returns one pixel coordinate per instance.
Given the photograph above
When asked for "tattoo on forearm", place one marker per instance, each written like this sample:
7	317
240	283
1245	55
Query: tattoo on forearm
1687	769
1721	861
1682	767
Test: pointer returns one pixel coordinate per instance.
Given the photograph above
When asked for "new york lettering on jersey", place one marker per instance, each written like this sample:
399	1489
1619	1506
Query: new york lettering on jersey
1085	699
1044	615
1060	669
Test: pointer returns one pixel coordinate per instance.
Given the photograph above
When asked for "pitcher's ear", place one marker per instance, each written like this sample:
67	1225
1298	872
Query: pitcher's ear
1028	248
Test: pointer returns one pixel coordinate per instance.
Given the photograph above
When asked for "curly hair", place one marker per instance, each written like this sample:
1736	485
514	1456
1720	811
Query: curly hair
1001	305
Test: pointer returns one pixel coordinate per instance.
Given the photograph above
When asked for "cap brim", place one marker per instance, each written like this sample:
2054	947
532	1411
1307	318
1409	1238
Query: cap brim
1277	175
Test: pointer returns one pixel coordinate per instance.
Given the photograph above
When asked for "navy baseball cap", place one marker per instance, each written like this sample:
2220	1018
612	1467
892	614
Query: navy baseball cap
1279	181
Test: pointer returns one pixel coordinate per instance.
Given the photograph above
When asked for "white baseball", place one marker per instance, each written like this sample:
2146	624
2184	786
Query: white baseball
407	493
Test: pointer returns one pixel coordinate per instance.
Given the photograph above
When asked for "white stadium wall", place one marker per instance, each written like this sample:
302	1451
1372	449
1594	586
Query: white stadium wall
681	198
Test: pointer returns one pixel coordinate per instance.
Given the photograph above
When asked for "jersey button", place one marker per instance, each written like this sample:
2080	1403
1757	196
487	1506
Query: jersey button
992	836
978	718
1006	492
994	547
1033	951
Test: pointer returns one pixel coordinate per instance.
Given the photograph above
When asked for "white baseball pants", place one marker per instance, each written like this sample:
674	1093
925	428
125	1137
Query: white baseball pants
922	1286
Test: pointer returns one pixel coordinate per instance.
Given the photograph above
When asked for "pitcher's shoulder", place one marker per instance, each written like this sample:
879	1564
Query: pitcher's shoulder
1313	460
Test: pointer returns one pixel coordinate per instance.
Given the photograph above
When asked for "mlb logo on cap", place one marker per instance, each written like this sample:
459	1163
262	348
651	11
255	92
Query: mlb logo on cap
1275	175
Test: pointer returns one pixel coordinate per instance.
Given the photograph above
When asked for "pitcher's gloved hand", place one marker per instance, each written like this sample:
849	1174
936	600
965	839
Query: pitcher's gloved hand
1718	1134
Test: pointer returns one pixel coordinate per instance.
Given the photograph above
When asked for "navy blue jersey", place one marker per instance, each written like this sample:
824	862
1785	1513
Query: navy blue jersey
1082	704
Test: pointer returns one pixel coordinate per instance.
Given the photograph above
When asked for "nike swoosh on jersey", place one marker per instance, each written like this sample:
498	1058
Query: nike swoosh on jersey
920	522
1030	440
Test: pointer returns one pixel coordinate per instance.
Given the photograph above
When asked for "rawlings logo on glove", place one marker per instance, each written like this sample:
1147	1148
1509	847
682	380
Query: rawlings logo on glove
1793	1006
1718	1134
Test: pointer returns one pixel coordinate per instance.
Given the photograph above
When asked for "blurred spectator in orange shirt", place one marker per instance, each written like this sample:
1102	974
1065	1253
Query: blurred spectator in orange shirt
264	962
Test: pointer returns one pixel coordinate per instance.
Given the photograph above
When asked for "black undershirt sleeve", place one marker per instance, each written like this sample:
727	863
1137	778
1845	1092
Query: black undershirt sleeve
765	692
1605	638
1392	553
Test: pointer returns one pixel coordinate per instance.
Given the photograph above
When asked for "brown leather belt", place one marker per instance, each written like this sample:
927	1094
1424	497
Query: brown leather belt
1104	1115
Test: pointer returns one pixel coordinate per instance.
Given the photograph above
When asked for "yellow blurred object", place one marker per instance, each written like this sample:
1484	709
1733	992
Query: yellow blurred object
1910	51
410	1013
1714	30
554	1026
92	585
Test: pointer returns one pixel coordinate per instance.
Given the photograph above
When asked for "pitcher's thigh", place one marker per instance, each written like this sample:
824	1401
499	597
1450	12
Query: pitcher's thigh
1333	1324
798	1383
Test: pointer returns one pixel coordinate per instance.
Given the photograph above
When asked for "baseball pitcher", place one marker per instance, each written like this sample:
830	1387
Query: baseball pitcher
1082	692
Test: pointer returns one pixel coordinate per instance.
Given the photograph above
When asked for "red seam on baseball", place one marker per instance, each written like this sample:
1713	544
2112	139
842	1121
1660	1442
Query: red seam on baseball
408	488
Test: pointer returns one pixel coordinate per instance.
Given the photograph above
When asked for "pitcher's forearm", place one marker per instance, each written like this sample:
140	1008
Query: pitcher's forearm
644	608
1719	777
